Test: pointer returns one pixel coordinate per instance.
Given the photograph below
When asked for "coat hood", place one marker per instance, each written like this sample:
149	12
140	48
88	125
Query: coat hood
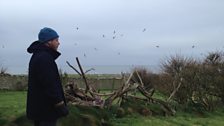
38	46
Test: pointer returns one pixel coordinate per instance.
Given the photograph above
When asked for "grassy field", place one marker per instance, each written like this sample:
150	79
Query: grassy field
181	119
12	106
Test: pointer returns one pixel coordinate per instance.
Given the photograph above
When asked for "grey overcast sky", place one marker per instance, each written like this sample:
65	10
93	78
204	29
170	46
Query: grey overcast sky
112	32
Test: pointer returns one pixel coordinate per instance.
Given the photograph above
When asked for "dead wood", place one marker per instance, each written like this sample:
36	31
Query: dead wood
79	96
73	68
83	75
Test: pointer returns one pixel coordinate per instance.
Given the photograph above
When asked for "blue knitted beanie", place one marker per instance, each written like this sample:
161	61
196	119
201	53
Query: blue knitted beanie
47	34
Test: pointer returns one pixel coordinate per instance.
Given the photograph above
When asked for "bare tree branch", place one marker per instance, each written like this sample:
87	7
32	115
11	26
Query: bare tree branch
73	68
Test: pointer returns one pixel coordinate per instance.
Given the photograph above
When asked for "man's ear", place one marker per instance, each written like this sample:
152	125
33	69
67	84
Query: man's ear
47	44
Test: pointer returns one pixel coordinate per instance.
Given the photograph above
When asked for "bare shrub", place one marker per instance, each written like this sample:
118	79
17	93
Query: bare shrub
194	82
177	69
148	78
164	84
3	71
214	69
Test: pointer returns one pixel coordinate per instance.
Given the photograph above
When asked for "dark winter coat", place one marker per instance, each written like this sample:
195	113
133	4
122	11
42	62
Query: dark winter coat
44	84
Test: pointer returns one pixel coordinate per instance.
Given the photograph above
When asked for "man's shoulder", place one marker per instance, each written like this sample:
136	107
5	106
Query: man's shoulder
43	56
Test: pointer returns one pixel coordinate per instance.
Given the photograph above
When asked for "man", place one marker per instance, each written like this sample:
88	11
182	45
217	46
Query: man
45	98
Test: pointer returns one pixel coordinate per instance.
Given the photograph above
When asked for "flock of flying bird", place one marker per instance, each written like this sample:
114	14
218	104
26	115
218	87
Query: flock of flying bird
113	37
121	35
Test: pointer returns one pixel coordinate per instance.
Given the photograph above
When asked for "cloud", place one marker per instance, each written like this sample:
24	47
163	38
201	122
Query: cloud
173	25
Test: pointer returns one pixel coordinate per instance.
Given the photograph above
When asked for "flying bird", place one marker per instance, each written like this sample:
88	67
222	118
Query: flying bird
157	46
114	31
114	37
103	36
193	46
144	30
77	28
84	55
119	53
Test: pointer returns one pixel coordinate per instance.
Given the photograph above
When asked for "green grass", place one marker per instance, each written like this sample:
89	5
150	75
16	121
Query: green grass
181	119
13	103
13	107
